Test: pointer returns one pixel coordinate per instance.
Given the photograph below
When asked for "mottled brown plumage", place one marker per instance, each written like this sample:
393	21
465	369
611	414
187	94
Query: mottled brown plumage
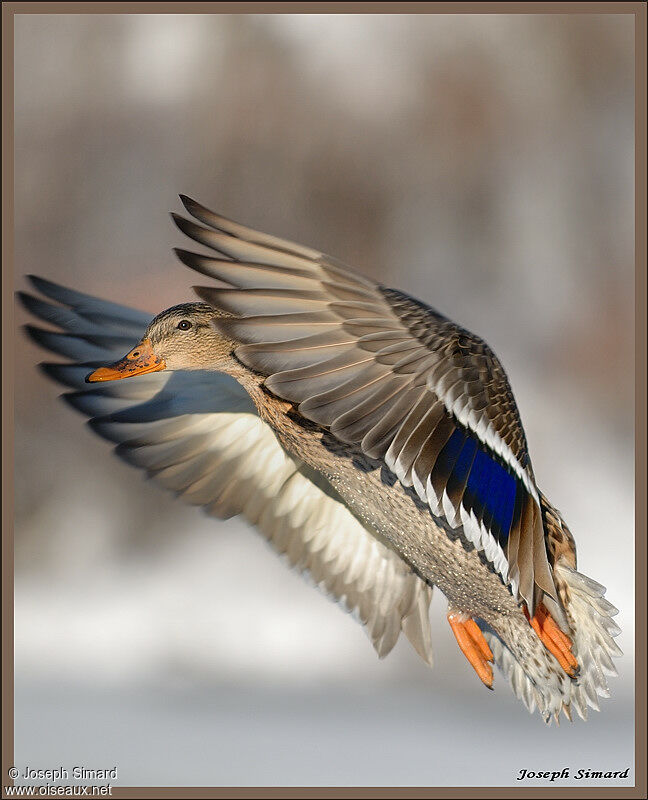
372	440
387	373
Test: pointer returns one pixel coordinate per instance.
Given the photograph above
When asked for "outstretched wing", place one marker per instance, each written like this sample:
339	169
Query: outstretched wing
390	374
198	434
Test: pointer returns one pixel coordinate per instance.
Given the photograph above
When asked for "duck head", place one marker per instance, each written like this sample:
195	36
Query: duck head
182	337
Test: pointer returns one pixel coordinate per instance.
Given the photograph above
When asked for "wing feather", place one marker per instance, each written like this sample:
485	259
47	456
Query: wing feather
383	345
198	434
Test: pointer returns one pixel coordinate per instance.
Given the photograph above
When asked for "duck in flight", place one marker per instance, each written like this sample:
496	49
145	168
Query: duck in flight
371	439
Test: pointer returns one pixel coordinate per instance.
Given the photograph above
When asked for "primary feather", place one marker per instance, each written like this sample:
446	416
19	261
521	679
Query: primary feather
380	371
386	372
198	434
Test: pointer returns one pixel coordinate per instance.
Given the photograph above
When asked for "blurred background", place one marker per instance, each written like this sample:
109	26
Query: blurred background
483	163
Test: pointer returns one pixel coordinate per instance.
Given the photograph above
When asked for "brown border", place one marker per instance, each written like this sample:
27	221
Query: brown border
319	8
638	9
7	395
640	393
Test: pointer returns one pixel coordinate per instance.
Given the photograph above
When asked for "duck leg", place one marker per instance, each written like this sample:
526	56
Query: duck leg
473	645
556	642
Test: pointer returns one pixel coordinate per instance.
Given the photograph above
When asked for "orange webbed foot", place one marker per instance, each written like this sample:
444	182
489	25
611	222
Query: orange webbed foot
556	642
473	645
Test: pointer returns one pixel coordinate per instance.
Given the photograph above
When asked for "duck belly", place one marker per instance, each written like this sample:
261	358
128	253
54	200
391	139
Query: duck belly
439	554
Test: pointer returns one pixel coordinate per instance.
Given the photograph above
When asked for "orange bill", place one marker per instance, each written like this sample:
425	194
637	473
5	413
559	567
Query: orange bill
139	361
474	646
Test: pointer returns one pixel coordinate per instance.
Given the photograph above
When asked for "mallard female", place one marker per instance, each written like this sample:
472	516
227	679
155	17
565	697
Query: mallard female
369	437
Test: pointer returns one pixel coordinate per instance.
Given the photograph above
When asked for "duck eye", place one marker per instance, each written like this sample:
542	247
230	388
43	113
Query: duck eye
184	325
